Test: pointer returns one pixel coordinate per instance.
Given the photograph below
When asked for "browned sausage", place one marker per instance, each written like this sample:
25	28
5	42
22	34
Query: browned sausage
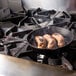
59	38
51	41
41	42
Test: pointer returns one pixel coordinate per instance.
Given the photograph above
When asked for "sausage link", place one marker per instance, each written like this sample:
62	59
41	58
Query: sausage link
59	38
51	41
41	42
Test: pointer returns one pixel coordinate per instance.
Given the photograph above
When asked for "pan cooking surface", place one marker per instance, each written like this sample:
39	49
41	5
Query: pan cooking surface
56	46
67	34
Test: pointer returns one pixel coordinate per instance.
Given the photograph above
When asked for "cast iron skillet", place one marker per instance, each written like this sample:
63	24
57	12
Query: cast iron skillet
66	33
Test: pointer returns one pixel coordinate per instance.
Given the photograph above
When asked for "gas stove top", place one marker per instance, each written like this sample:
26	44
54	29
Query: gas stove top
18	26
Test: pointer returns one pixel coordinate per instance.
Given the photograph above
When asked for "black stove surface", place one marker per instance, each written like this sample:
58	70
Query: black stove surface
10	46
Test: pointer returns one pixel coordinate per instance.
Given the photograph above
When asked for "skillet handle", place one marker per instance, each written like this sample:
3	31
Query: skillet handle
22	33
